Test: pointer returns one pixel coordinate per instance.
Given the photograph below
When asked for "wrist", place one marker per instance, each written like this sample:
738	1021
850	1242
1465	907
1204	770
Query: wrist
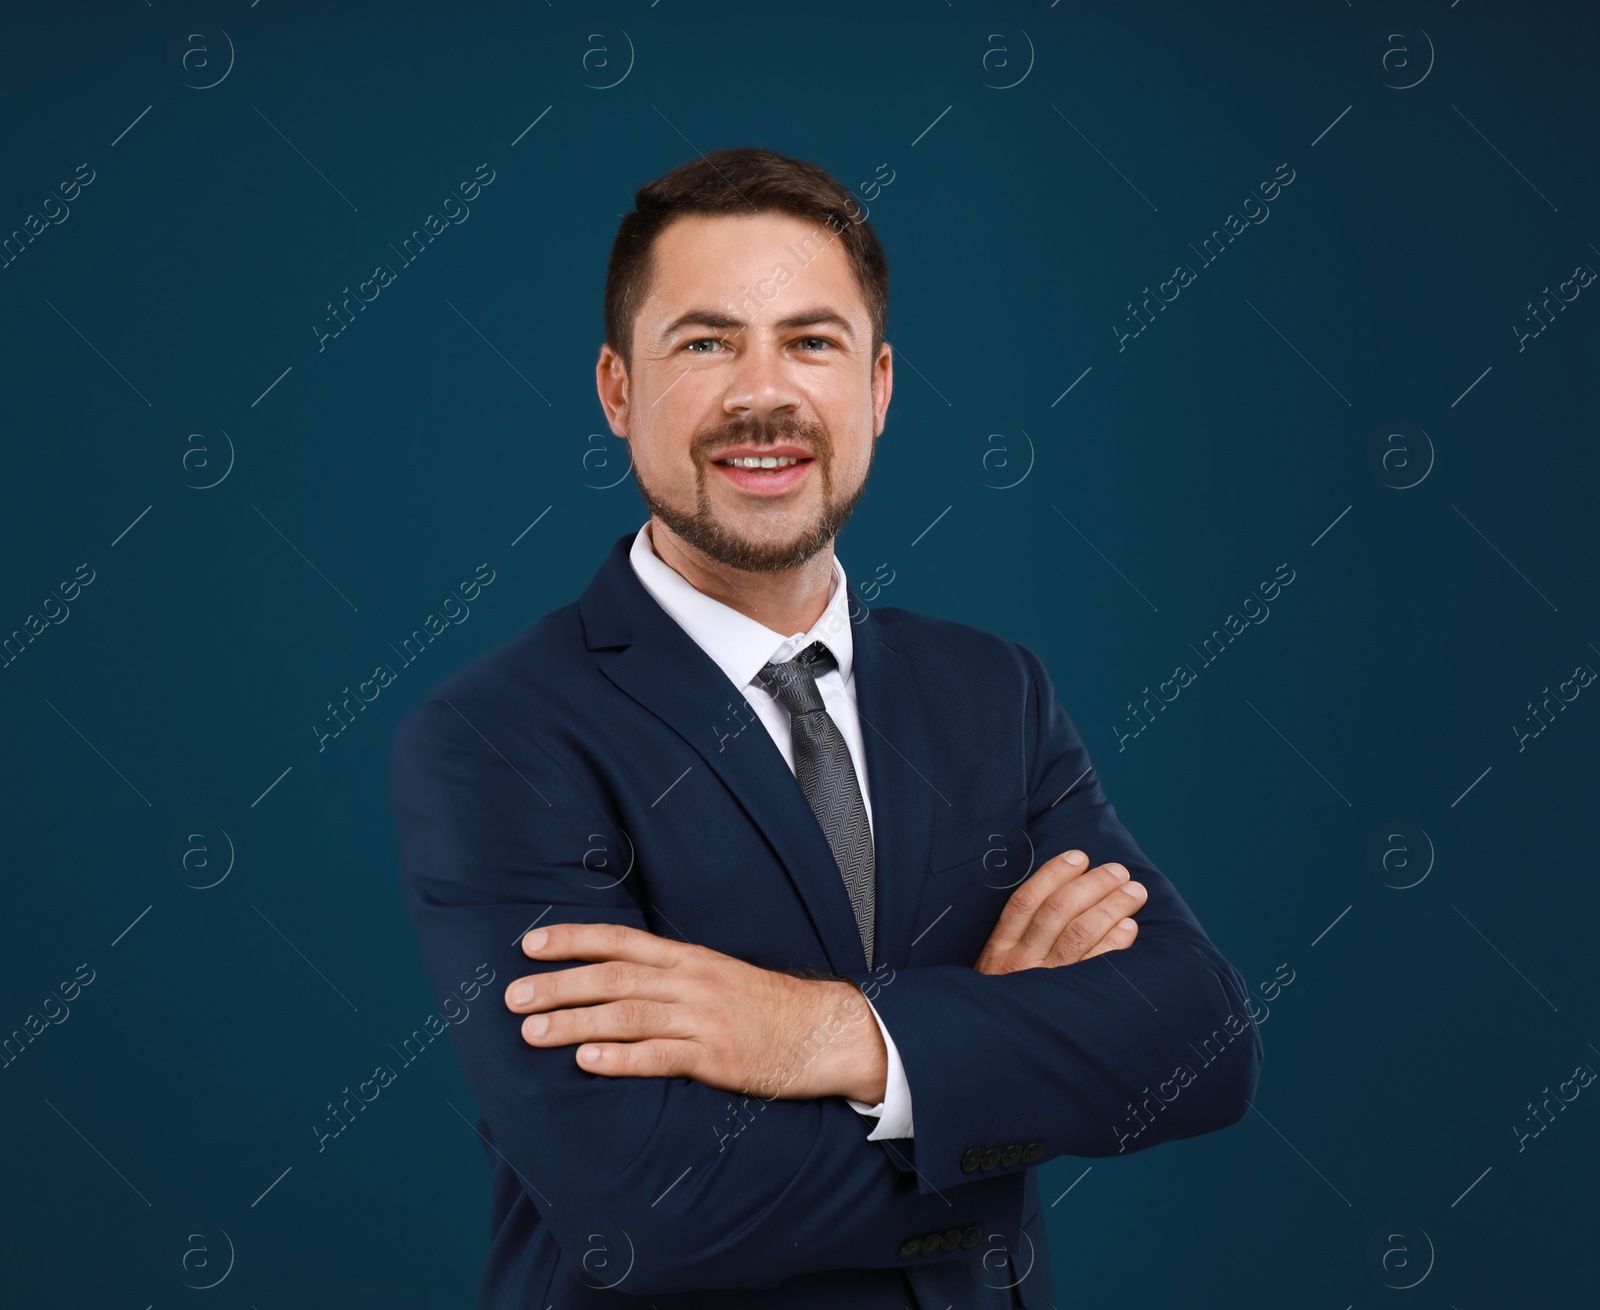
844	1050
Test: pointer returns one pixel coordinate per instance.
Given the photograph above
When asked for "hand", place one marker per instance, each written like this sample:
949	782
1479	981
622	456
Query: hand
651	1007
1064	913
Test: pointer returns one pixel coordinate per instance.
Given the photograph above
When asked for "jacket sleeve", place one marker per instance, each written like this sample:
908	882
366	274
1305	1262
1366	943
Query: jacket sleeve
706	1188
1116	1053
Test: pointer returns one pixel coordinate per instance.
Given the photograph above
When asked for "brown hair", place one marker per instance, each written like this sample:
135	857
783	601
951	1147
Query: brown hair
750	180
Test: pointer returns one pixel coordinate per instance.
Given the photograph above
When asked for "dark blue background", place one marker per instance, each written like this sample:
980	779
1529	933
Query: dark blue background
143	335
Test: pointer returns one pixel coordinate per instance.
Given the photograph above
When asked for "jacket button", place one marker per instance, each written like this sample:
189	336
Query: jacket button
930	1243
969	1161
990	1158
1033	1153
970	1236
910	1248
1011	1155
951	1240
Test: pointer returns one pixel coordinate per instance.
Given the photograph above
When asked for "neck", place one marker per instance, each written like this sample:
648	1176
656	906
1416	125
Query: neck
787	602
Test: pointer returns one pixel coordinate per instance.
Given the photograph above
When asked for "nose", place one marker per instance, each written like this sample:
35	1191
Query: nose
760	384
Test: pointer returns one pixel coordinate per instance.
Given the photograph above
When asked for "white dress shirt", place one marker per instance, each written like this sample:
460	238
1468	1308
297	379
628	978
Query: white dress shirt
740	647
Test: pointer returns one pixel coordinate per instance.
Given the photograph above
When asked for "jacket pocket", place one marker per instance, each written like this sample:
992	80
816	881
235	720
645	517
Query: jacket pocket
995	849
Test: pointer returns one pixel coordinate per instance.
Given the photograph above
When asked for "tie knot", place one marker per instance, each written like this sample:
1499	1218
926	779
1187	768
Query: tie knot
794	682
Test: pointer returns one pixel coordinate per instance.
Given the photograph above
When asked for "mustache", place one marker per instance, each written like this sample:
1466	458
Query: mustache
707	443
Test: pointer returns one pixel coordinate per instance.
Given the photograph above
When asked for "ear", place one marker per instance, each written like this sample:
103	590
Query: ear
882	387
612	383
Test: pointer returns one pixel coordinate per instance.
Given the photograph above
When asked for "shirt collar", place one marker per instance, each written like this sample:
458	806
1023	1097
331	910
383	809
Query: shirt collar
738	644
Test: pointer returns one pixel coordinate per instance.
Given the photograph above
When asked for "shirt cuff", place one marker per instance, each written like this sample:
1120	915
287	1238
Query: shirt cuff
894	1111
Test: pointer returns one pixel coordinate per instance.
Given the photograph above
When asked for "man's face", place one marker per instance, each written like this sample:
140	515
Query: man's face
753	341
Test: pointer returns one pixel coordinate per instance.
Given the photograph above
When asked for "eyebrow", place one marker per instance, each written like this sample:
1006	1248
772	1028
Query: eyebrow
713	319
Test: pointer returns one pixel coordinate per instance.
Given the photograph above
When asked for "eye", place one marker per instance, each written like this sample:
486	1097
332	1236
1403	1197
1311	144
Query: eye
822	341
702	341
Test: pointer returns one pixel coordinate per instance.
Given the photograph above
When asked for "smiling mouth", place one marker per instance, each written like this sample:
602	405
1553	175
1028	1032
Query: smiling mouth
763	463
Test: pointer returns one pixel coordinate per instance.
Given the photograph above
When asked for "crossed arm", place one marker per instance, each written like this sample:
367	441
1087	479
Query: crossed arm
652	1007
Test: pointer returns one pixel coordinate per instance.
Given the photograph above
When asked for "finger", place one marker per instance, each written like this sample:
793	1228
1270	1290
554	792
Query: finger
1066	904
1023	903
617	1021
589	984
1119	938
656	1058
599	941
1079	937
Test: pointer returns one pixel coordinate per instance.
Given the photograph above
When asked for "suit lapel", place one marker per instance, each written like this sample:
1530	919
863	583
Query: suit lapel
900	775
644	652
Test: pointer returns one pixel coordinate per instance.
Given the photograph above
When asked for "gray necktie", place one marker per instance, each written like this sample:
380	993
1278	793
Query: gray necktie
827	777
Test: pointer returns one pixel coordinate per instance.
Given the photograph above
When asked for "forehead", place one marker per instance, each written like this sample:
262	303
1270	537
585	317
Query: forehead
749	264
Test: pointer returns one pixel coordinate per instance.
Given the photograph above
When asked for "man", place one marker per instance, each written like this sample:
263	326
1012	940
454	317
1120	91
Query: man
817	926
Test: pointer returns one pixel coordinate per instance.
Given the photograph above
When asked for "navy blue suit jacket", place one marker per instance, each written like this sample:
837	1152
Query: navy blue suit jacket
601	768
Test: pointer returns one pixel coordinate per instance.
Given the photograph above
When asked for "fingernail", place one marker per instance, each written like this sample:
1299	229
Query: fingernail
1076	858
1127	923
537	1025
534	940
521	993
1122	873
1137	888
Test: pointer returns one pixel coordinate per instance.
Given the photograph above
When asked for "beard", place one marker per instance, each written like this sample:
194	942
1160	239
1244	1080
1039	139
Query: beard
700	527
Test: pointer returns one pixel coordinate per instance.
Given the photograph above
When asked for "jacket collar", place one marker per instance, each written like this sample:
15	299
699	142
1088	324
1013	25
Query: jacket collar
643	651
